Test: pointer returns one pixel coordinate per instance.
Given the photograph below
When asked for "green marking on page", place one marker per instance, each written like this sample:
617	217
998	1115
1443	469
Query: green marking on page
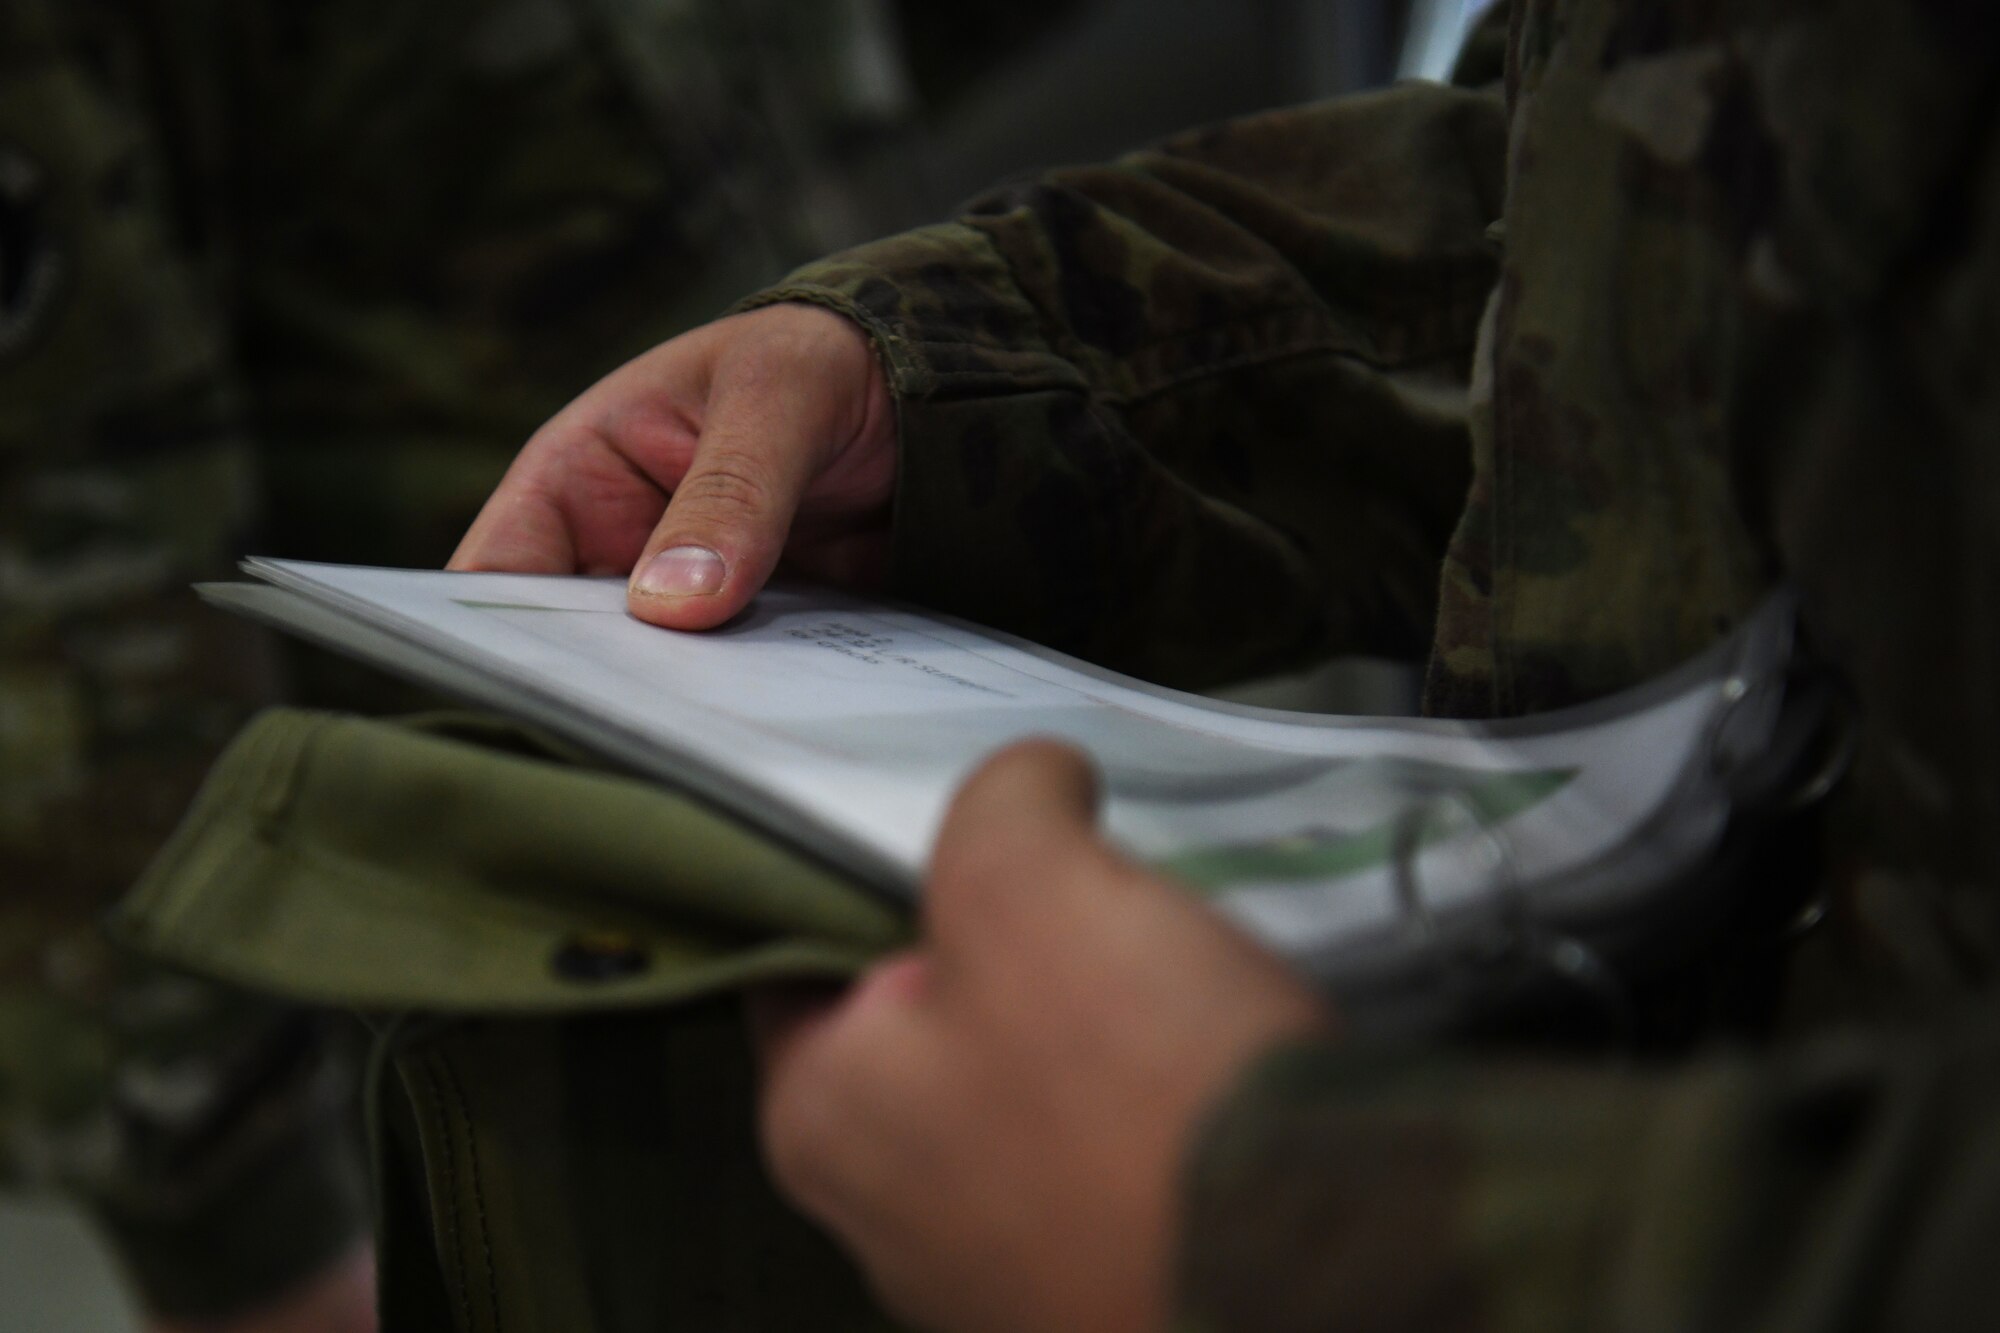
1333	854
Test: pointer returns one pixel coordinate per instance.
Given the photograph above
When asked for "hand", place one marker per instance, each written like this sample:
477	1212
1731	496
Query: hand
762	427
994	1122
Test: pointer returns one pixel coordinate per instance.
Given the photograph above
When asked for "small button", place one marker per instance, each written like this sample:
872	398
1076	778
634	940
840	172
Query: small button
599	955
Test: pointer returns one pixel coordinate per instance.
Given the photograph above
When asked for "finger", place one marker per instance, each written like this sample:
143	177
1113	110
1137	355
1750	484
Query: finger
764	438
519	530
1015	804
588	488
779	1016
1017	832
837	1080
575	503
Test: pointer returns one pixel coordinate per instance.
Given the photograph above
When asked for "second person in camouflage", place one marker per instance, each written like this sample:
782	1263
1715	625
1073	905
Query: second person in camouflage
298	278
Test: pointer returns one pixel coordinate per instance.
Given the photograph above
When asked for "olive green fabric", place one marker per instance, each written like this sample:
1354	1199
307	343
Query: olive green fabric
451	864
562	1107
596	1173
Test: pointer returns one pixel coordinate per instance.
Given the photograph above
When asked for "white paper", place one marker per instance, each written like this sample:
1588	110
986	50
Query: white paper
847	725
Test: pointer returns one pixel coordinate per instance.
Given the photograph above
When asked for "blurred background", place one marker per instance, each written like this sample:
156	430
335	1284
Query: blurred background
299	278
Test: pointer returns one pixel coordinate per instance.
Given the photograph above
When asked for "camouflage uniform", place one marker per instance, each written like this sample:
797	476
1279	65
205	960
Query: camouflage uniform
300	278
1554	380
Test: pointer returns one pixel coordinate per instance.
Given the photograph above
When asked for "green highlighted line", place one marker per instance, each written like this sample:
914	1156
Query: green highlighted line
1333	855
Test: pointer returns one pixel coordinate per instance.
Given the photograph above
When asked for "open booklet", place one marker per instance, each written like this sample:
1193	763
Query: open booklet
842	725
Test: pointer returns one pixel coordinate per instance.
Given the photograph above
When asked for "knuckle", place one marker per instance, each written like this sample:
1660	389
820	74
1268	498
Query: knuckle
728	484
977	890
763	366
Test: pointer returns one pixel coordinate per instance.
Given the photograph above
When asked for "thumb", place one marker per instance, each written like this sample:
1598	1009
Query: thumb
764	438
1021	829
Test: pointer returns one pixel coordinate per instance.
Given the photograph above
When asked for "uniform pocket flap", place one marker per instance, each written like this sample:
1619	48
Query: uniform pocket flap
455	864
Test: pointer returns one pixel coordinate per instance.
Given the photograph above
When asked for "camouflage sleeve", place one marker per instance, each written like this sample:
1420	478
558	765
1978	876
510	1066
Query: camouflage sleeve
197	1122
1849	1184
1843	1183
1197	414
